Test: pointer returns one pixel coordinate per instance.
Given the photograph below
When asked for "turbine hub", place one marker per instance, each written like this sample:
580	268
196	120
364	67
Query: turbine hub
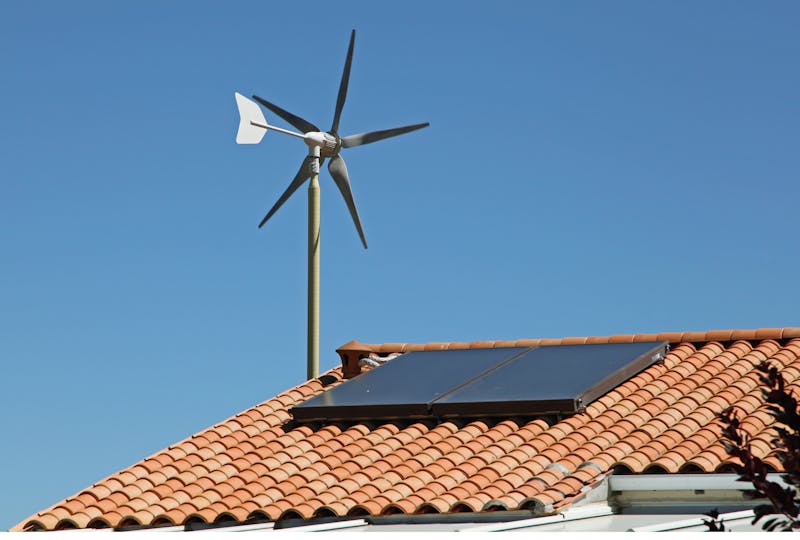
328	144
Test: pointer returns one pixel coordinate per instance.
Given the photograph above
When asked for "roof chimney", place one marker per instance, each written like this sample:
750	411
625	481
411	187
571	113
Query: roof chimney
351	353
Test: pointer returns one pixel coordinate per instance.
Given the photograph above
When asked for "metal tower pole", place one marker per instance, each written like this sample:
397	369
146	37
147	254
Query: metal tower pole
313	266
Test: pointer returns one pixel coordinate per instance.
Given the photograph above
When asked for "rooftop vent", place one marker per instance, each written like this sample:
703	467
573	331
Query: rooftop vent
484	382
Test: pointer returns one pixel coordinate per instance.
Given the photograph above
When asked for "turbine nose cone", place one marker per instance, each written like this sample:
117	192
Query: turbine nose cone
328	144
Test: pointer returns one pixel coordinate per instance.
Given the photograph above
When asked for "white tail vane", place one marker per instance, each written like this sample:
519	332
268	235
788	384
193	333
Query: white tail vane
249	113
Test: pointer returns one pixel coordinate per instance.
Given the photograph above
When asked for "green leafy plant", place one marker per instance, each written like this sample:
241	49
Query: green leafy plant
783	501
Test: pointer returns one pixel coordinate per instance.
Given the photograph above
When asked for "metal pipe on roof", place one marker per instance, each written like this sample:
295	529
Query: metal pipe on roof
368	362
373	360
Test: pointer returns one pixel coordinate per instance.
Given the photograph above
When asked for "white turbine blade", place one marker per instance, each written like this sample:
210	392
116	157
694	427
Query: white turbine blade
249	112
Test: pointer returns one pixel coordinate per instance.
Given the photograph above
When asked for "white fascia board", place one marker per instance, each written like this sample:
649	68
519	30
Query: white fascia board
175	528
694	522
233	528
77	531
241	528
334	525
571	514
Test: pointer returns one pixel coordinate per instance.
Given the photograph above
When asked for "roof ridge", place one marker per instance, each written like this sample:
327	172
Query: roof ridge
672	337
353	351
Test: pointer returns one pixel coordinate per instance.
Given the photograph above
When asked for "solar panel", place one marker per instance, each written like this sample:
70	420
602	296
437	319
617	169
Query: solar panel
556	379
484	382
404	387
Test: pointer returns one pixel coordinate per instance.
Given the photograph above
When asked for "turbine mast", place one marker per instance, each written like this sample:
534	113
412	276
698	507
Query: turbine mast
312	366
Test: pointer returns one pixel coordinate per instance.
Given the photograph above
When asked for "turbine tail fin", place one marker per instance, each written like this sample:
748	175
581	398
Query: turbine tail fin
249	111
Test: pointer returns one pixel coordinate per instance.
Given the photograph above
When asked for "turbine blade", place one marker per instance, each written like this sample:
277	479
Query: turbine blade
338	170
343	84
303	125
302	175
374	136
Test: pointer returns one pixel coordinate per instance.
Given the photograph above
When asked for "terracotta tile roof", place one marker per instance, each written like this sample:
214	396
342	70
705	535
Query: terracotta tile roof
259	465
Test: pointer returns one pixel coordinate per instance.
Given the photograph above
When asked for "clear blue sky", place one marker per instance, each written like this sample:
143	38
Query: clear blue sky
591	168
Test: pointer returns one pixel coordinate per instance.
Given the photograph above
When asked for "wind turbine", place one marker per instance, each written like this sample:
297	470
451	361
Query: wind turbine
321	145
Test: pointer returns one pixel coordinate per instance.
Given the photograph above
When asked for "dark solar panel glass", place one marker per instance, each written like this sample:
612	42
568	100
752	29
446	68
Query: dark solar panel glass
404	387
550	379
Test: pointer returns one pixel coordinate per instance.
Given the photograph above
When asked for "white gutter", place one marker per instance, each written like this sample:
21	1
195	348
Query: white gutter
694	522
571	514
